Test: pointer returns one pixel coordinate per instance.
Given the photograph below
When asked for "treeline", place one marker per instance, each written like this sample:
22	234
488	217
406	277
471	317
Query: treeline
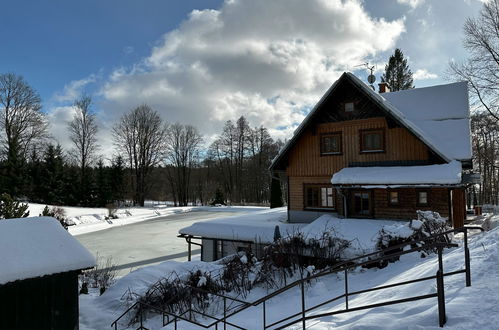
485	143
152	159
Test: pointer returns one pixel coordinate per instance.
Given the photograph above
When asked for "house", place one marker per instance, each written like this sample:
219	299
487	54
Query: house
364	154
39	266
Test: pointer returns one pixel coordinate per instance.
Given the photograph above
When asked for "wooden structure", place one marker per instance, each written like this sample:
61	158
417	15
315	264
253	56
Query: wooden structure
352	126
39	275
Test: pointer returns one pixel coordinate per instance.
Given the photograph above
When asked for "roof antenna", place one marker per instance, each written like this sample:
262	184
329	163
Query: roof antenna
371	78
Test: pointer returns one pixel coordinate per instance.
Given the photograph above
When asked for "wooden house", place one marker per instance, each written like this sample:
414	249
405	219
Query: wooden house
39	266
364	154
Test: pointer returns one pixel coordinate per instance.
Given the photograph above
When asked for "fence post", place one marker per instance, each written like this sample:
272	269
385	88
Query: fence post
303	304
346	288
264	317
440	290
467	258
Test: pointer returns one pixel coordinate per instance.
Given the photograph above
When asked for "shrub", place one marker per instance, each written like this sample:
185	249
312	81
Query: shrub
111	211
58	213
11	208
101	276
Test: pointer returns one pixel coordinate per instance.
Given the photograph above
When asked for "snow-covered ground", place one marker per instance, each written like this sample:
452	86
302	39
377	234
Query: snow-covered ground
474	307
88	220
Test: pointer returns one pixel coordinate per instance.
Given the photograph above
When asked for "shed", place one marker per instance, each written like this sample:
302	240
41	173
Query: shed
39	266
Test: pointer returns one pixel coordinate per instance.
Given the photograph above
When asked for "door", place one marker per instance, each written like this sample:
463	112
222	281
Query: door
361	203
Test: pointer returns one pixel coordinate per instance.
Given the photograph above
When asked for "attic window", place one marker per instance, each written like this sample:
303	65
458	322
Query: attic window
372	140
349	107
331	144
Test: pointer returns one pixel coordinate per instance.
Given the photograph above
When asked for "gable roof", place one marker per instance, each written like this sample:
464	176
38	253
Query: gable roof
444	115
38	246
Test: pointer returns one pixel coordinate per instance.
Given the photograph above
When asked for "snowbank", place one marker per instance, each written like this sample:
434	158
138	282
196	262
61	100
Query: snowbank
88	219
33	247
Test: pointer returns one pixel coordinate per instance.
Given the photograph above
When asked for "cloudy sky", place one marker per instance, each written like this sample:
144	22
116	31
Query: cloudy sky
207	61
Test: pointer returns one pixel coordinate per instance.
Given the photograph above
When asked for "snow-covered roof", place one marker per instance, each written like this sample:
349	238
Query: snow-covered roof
437	115
441	112
38	246
440	174
254	227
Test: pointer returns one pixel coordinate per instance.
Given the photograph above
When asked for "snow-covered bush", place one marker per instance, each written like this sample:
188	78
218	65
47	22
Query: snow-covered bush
428	223
111	211
57	213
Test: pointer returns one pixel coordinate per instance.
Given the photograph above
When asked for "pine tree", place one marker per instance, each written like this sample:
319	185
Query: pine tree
397	73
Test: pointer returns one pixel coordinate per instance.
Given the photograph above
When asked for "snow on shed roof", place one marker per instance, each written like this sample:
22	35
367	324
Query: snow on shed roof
412	175
38	246
254	227
441	112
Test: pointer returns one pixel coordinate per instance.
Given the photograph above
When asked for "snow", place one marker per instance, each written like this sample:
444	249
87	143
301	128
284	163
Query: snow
34	247
255	227
472	307
87	220
361	233
441	112
411	175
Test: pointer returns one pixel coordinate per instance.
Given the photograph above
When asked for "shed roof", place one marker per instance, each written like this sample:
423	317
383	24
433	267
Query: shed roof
38	246
437	115
440	174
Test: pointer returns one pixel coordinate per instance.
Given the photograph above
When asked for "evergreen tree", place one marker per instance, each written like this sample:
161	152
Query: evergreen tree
103	191
52	176
117	180
10	208
397	73
275	194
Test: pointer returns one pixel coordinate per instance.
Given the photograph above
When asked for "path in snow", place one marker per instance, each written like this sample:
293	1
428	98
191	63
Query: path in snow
146	243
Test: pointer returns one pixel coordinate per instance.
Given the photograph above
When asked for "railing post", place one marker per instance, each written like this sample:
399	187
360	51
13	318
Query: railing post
175	322
467	258
346	288
264	316
303	304
440	290
225	313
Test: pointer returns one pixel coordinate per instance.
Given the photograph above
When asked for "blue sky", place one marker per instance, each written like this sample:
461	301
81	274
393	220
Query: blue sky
204	62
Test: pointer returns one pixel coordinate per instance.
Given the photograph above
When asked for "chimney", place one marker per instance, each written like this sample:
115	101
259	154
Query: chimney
384	87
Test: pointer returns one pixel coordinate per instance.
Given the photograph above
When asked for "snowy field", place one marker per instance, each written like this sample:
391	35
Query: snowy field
88	220
474	307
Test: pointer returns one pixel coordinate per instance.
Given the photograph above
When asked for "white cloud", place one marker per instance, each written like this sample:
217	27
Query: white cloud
421	74
74	89
266	60
412	3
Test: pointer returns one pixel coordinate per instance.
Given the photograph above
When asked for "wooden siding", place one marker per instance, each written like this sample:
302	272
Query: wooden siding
305	158
438	201
296	192
458	207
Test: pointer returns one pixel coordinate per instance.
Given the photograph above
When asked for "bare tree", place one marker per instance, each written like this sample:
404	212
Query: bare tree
140	134
83	133
182	153
21	122
481	70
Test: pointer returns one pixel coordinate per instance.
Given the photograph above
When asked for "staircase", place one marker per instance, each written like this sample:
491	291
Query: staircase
233	306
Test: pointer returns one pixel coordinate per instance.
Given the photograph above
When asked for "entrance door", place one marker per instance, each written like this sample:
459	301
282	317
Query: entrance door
361	203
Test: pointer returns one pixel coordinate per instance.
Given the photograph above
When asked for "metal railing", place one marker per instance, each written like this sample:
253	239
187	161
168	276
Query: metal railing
438	242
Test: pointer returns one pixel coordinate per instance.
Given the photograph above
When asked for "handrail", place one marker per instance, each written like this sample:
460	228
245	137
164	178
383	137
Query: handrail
341	266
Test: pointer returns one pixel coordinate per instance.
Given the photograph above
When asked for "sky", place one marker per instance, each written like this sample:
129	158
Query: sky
203	62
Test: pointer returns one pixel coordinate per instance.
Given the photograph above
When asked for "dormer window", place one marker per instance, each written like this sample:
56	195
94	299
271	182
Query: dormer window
349	107
331	144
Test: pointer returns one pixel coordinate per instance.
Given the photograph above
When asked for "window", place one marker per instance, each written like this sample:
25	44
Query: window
361	203
372	141
393	197
319	197
349	107
422	198
331	144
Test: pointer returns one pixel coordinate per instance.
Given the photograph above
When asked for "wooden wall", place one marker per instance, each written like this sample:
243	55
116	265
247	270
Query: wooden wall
305	159
44	303
438	201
